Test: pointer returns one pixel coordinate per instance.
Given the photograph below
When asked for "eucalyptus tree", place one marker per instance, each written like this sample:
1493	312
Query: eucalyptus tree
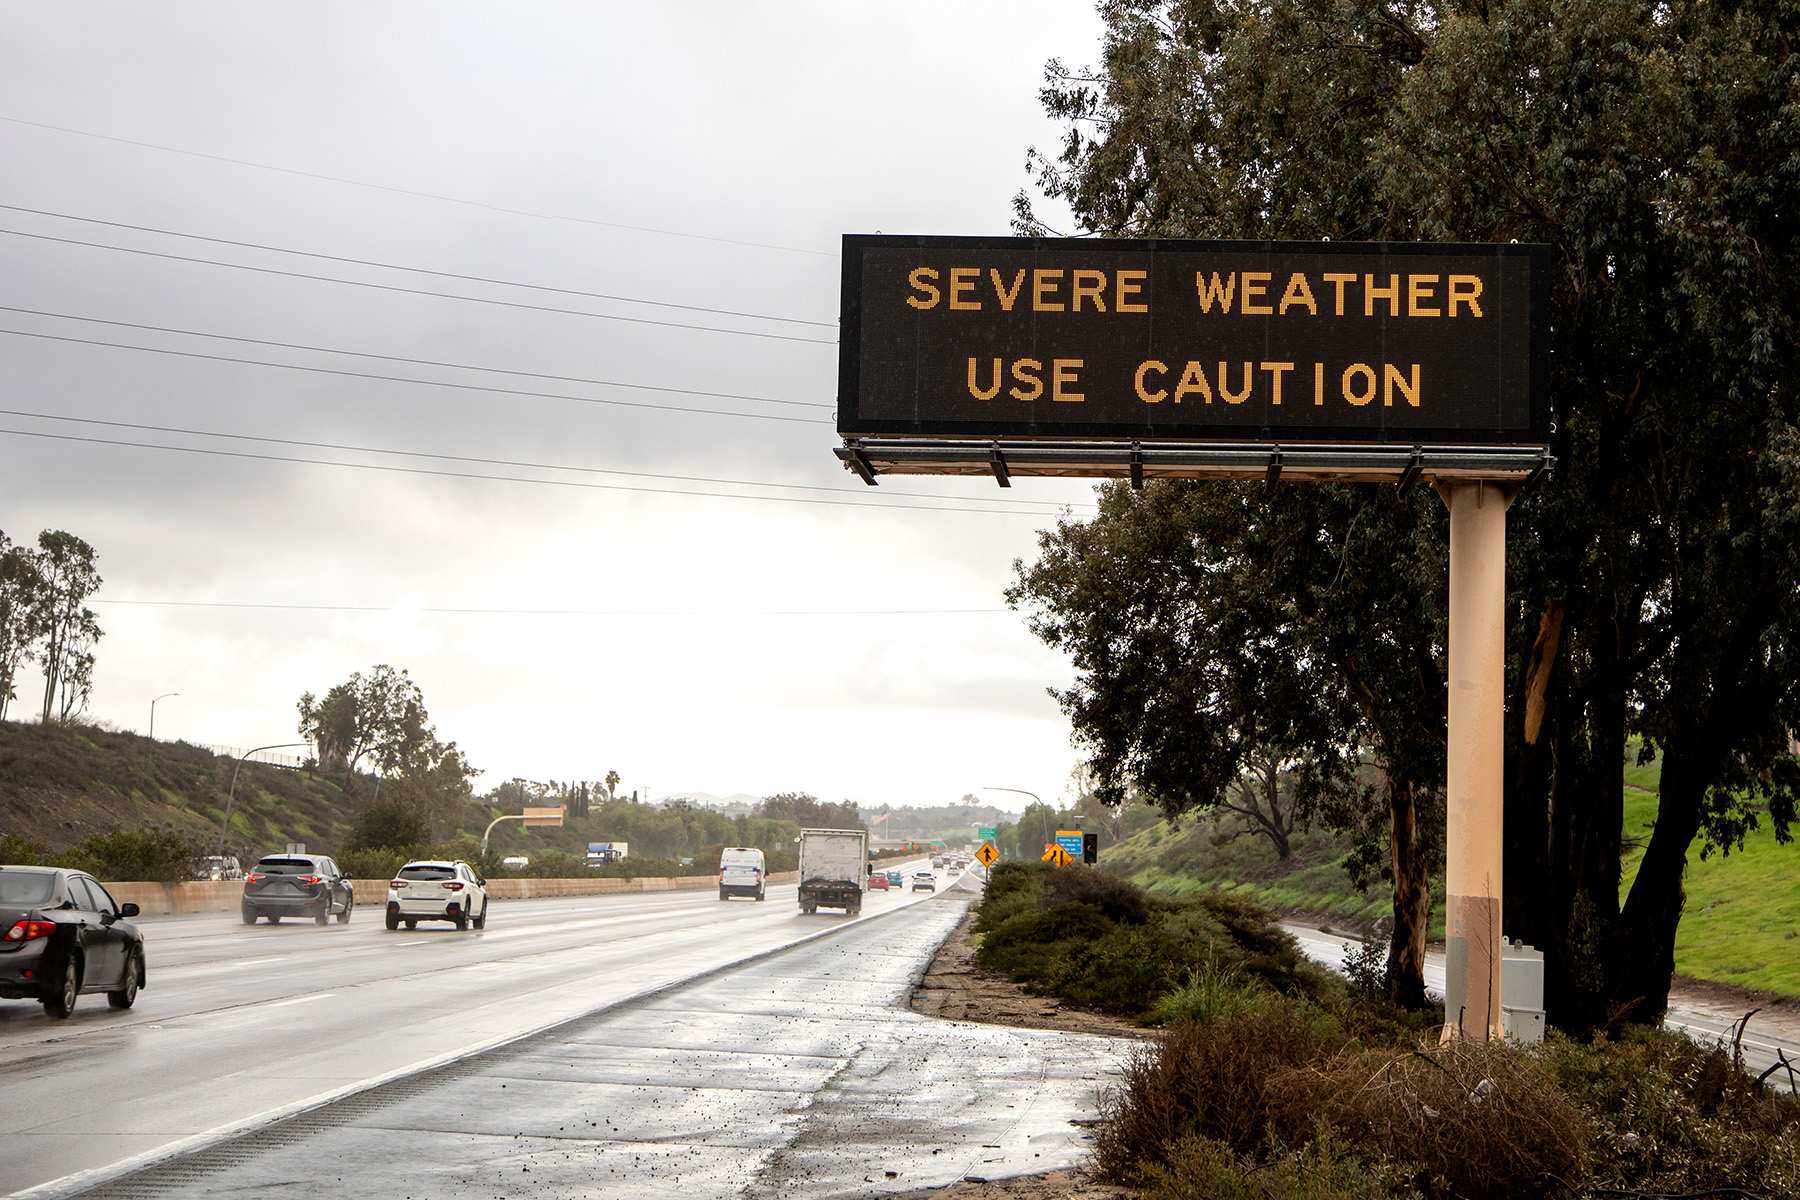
1654	580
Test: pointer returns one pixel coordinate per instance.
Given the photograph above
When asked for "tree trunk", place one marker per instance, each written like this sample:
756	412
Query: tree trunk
1526	865
1412	898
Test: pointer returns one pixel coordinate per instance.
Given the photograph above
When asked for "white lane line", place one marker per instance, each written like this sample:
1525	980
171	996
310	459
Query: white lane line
420	942
296	1000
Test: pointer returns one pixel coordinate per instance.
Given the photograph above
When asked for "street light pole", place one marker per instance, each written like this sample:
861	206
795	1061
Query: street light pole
232	794
164	696
1033	795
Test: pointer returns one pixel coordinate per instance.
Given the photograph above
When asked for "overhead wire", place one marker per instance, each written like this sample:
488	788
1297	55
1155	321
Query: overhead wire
451	384
368	262
564	612
564	483
400	191
397	358
497	462
390	287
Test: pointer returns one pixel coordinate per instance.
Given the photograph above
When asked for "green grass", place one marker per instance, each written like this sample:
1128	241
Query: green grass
1741	924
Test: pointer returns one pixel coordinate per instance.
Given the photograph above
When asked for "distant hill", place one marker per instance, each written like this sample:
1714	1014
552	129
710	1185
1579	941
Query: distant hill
61	783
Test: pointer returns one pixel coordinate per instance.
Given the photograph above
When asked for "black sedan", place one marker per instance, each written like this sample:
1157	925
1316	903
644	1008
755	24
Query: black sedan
61	935
297	885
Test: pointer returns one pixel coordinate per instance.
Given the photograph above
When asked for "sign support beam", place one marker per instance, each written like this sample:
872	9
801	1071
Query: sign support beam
1475	773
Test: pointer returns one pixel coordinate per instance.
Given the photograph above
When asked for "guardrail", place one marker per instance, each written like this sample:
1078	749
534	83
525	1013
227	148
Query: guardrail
212	895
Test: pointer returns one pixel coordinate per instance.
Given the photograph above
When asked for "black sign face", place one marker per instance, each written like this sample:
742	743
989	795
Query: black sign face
1193	341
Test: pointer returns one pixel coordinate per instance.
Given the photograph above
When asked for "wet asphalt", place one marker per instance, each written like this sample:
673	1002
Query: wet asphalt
801	1073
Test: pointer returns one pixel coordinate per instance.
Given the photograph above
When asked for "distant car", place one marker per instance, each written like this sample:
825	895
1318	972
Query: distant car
924	881
937	860
217	867
62	935
896	879
437	890
297	885
878	882
516	862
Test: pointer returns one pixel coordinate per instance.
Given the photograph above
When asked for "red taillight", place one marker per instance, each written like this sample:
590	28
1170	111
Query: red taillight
253	878
396	883
25	931
451	886
310	878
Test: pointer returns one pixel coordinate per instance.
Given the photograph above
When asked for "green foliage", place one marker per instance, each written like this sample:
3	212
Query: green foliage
374	862
22	852
385	823
1208	994
132	855
1197	1168
1103	943
809	812
1669	1116
1654	579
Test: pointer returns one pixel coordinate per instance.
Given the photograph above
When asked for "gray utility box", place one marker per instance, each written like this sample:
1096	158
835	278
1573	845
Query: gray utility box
1521	992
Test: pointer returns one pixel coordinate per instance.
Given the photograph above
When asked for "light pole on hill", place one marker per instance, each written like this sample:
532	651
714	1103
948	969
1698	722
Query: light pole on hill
164	696
232	794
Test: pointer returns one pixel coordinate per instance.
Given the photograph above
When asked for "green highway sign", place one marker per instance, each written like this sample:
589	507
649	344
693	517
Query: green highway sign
985	833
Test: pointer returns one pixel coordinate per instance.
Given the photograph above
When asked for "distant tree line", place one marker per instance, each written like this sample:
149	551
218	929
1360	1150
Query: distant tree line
44	619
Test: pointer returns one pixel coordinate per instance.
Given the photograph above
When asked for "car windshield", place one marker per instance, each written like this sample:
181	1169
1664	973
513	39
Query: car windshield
287	866
427	873
19	888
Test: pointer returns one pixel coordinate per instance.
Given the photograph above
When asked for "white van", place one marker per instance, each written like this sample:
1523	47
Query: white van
741	873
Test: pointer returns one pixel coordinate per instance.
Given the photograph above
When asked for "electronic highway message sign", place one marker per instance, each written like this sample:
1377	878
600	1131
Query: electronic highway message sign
1373	342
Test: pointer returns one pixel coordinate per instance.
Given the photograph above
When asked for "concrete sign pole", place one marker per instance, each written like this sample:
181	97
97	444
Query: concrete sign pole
1475	776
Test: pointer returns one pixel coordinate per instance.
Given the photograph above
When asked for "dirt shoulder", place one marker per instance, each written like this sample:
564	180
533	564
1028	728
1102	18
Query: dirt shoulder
957	988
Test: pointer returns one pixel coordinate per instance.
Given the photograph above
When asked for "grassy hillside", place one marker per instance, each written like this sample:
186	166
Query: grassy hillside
59	784
1741	925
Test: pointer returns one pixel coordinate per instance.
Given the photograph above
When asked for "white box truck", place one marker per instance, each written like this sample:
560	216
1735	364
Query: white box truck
834	869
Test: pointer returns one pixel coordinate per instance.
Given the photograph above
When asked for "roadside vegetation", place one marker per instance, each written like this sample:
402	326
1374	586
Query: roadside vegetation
1272	1079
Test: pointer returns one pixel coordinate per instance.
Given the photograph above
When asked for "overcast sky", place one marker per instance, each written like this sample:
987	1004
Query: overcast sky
706	155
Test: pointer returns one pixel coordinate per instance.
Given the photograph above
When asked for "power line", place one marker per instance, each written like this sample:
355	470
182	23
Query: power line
462	387
366	262
400	191
496	462
390	287
568	612
565	483
399	358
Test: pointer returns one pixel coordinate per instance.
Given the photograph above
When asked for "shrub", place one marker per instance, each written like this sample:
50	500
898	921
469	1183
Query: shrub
706	860
1115	973
1205	1080
386	823
1324	1169
1211	993
132	855
1483	1122
1117	899
375	863
16	851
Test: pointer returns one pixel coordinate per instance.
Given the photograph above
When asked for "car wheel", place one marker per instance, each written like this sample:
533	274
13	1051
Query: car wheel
249	915
412	923
344	917
62	1003
481	921
274	918
126	996
761	895
323	916
393	921
724	895
461	920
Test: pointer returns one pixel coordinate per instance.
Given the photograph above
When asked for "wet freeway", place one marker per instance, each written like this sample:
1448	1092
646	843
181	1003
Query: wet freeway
239	1025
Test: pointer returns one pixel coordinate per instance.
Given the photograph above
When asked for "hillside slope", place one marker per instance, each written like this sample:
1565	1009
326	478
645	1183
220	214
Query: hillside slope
1741	925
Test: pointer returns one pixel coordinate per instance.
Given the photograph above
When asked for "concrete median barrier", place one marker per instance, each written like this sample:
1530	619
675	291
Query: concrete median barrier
212	895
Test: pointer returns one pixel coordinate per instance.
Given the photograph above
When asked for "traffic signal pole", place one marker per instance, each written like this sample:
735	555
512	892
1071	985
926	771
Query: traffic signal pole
1475	774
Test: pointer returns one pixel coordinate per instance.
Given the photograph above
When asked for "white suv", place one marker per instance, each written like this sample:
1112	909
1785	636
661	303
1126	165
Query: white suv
432	890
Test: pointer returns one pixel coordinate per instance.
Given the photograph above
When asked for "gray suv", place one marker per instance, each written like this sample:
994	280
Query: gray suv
297	885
